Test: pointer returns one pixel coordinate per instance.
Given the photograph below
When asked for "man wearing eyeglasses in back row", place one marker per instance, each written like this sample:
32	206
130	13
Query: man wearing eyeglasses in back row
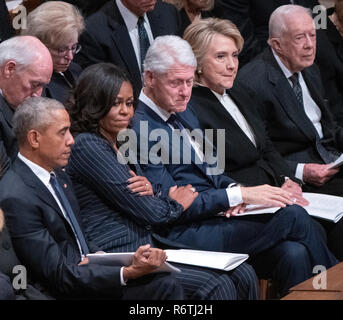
25	68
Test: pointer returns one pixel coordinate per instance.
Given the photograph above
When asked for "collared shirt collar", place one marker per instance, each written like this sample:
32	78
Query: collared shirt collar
129	18
284	69
40	172
163	114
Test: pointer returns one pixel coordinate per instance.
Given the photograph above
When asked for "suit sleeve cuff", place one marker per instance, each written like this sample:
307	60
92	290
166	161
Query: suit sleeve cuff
234	194
300	171
122	281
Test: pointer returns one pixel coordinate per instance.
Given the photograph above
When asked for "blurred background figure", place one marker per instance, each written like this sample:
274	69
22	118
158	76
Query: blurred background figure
6	29
192	9
58	25
329	59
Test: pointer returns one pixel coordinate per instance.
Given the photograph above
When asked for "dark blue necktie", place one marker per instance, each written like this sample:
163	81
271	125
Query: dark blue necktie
174	122
144	42
297	88
69	211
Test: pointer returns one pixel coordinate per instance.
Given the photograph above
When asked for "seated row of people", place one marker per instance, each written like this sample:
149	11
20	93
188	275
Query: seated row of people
168	87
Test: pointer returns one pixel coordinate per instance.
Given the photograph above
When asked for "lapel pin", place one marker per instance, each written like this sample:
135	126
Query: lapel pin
65	186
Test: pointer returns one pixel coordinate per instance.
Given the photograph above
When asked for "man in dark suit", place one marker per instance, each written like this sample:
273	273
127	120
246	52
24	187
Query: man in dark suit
6	29
290	95
42	216
160	116
113	34
251	18
25	67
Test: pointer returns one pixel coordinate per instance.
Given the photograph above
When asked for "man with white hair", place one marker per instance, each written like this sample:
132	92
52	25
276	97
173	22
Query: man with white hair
287	88
284	246
25	67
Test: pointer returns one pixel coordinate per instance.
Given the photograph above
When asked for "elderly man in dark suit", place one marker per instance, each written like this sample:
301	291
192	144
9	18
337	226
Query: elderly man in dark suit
122	30
288	89
25	67
162	115
288	86
251	18
42	217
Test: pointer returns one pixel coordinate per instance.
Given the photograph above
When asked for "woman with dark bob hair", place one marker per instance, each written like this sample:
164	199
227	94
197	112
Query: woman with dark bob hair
120	209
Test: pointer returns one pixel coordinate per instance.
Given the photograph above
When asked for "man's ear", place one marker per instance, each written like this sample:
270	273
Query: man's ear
33	138
148	79
9	69
275	44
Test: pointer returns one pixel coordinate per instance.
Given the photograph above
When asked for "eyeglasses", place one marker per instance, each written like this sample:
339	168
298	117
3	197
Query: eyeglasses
64	51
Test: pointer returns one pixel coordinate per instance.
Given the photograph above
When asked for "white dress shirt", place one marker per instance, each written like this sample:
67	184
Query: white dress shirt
312	111
236	114
131	20
233	191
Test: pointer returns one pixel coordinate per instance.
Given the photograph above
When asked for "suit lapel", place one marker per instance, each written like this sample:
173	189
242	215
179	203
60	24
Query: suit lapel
157	27
283	92
31	180
123	42
6	110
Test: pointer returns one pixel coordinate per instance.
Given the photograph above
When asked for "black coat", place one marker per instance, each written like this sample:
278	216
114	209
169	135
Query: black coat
244	162
44	241
8	141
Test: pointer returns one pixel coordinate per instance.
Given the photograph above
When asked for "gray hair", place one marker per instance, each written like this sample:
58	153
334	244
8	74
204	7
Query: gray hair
18	49
33	113
167	51
53	22
277	22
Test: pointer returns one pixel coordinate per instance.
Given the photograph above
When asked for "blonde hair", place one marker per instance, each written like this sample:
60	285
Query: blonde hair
54	22
208	5
200	33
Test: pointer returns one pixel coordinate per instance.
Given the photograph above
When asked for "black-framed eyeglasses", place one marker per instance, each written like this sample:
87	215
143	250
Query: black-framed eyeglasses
64	50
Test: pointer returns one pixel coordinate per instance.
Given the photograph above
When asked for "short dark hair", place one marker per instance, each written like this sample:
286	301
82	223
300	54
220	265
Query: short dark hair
93	96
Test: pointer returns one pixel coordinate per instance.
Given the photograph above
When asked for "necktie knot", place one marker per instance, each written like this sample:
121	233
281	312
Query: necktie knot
294	78
140	21
174	122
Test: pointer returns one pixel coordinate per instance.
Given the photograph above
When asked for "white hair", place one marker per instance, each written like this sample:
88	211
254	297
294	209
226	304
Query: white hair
17	49
167	51
277	21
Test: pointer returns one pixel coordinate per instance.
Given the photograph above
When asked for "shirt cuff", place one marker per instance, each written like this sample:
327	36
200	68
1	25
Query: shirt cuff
122	281
234	195
299	172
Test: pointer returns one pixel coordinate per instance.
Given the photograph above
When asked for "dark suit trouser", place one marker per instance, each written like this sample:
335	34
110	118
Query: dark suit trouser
157	286
210	284
334	231
6	289
291	240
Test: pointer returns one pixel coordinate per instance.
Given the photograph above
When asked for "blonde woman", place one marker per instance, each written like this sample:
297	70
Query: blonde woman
58	25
